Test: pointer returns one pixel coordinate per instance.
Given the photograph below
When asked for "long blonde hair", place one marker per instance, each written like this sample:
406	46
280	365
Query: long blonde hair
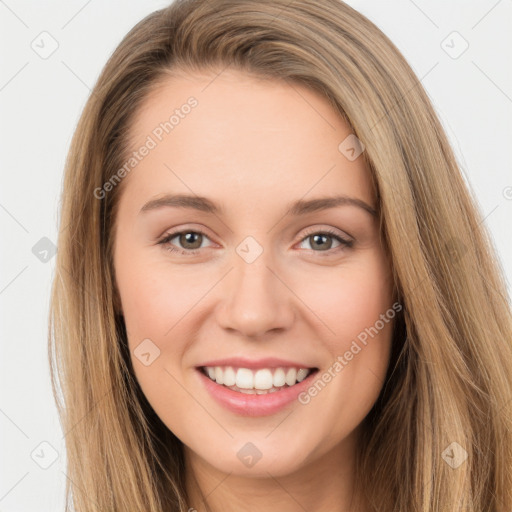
450	376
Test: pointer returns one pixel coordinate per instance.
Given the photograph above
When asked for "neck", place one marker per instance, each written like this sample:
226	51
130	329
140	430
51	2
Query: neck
324	484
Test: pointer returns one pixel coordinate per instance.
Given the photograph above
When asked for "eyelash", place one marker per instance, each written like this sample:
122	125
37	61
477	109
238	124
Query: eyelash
345	244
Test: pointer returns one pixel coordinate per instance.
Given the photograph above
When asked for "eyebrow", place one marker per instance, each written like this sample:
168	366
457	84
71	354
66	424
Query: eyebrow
300	207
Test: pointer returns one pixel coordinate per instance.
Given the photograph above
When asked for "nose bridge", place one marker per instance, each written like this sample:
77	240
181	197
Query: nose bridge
255	299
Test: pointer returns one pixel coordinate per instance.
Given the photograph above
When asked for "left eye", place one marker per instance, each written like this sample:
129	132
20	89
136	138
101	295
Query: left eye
317	239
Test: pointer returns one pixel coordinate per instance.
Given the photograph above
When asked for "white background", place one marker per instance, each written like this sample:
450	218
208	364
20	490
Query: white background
41	100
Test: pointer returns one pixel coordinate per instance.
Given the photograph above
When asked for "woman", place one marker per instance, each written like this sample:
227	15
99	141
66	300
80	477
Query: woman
248	371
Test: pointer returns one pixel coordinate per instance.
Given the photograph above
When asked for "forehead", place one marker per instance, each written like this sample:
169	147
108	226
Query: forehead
268	137
231	102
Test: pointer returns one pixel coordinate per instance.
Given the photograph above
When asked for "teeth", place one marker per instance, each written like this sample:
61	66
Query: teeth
254	391
301	374
244	378
219	375
261	381
291	376
279	378
229	376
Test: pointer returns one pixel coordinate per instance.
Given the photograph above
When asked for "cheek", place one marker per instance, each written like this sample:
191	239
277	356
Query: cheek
163	304
154	305
151	300
356	311
350	300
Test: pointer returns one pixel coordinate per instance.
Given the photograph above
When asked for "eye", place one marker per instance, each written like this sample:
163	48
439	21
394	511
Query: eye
189	240
322	240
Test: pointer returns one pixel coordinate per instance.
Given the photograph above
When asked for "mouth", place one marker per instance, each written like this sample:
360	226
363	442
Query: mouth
256	381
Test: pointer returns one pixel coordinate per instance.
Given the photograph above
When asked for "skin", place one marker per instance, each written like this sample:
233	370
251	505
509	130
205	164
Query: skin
253	147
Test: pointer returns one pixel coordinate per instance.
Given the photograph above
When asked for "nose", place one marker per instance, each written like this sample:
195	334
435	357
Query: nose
257	299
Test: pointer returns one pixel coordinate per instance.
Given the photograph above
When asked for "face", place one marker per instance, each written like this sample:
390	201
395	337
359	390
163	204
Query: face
259	316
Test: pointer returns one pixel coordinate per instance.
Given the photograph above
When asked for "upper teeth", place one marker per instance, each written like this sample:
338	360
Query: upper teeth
263	378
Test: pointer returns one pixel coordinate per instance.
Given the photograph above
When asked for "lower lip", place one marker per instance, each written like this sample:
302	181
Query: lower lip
253	404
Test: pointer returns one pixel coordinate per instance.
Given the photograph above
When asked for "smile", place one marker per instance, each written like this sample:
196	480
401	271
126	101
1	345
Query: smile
256	381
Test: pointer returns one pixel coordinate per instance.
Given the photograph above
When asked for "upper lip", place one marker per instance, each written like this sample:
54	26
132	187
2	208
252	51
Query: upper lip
266	362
